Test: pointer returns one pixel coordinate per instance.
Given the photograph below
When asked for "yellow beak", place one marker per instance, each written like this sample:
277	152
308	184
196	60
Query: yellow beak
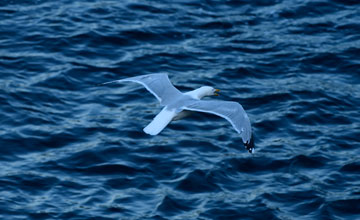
216	90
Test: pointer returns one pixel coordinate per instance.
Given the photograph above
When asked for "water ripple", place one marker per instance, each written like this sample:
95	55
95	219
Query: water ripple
73	150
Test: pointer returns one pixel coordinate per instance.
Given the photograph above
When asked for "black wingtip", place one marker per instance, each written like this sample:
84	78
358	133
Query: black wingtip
250	145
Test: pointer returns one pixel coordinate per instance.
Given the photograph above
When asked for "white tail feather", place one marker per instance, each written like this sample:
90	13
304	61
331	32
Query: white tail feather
160	121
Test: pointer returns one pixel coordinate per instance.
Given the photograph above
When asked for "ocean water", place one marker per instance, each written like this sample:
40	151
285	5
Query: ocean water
71	149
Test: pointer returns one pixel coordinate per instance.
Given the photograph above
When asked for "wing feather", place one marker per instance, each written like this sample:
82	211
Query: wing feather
231	111
157	84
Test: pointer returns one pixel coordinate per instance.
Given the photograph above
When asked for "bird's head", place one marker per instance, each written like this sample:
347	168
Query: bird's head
208	91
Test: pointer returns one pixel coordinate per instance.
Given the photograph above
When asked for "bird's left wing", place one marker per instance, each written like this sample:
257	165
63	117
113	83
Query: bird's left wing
158	84
231	111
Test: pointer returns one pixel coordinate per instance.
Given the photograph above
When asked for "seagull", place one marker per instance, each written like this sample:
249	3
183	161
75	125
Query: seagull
177	105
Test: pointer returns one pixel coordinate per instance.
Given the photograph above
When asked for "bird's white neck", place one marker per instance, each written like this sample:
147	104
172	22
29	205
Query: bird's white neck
198	93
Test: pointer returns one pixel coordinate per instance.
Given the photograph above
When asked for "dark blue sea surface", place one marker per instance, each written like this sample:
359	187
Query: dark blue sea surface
71	149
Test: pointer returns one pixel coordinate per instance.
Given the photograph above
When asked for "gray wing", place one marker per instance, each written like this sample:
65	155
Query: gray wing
158	84
231	111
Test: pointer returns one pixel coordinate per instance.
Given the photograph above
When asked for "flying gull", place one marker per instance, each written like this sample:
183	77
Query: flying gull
178	105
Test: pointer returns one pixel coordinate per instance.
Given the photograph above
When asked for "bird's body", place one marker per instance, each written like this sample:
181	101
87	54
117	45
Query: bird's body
178	105
182	114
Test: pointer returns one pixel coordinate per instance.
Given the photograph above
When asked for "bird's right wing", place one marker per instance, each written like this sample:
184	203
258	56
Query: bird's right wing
231	111
158	84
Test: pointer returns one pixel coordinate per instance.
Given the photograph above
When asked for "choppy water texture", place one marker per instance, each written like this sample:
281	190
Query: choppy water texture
70	149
